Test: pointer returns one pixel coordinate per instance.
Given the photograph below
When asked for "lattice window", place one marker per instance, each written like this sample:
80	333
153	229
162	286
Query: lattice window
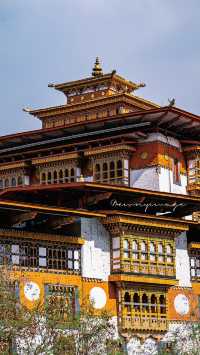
194	171
7	182
11	180
114	172
126	248
58	176
195	264
116	253
135	249
143	309
63	297
66	258
144	255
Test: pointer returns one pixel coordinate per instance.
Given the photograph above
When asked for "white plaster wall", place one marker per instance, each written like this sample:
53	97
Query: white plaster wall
145	178
166	182
95	254
26	180
88	178
182	261
157	179
159	137
78	172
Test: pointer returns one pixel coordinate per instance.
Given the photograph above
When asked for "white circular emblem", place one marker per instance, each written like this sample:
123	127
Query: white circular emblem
31	291
98	297
181	304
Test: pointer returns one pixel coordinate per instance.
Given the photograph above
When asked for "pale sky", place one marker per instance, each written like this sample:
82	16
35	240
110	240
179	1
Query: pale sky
42	41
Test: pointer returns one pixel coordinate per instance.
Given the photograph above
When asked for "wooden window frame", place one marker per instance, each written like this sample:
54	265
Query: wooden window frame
112	174
23	254
143	313
146	265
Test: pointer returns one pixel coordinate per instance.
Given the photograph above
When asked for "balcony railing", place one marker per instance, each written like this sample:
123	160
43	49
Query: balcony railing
158	269
143	323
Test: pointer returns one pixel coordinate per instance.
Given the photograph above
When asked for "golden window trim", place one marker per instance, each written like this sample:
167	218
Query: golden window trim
13	165
133	222
10	173
94	152
41	255
195	265
111	171
50	113
5	233
55	158
137	311
12	181
146	265
59	175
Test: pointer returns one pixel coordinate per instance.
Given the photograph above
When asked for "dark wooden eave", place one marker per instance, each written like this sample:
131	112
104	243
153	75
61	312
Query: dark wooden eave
99	197
172	120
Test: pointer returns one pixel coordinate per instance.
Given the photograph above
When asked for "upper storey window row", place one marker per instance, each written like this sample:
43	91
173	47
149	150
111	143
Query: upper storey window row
112	172
195	264
11	181
143	255
48	256
194	171
58	176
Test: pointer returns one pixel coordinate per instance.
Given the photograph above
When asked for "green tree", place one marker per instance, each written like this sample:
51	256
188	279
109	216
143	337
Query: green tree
52	328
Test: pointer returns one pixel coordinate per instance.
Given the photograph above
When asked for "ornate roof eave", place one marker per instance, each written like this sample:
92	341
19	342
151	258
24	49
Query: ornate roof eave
14	165
192	149
194	245
99	187
96	80
141	220
14	233
159	116
41	208
62	109
186	204
119	147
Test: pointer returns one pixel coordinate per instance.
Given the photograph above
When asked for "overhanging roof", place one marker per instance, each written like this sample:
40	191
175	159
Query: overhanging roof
104	197
179	122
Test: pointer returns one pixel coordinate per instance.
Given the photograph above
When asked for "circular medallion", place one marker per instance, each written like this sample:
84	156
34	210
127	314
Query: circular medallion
98	297
181	304
144	155
31	291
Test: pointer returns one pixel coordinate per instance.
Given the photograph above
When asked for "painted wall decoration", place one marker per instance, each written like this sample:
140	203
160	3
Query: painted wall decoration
98	297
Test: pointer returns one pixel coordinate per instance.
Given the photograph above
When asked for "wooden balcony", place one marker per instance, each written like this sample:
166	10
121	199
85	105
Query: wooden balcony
143	323
157	269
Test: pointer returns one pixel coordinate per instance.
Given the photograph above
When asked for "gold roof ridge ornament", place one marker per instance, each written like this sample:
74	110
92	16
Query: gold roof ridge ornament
97	69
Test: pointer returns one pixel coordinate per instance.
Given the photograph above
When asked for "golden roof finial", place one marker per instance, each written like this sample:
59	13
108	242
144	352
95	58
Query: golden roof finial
97	70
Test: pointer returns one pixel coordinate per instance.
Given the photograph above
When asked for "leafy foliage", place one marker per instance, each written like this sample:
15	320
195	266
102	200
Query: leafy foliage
52	328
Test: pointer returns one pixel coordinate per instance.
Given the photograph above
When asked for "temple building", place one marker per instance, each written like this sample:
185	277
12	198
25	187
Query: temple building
102	203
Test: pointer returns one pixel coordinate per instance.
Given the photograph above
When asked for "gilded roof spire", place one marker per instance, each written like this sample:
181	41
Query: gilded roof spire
97	70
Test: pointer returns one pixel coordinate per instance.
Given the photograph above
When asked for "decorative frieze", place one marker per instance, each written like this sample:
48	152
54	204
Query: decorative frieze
117	225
